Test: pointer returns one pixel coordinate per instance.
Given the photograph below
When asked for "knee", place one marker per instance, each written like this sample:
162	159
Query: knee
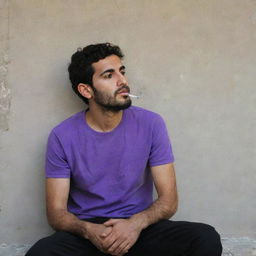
210	238
40	248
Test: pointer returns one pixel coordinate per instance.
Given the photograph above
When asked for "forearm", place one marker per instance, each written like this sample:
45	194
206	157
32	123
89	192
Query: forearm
61	219
66	221
160	209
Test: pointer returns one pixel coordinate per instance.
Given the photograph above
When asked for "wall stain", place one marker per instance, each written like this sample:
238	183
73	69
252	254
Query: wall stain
5	92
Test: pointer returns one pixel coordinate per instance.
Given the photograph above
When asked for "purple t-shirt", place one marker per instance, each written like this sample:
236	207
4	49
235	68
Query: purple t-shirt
108	171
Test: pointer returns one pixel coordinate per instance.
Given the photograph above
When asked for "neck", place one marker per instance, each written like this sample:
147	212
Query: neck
102	120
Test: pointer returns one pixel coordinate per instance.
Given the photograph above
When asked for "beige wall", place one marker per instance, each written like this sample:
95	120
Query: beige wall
193	61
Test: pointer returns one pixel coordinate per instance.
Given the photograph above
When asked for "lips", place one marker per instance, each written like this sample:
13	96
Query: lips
124	90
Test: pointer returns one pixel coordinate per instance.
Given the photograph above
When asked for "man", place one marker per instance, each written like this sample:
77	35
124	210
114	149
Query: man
101	164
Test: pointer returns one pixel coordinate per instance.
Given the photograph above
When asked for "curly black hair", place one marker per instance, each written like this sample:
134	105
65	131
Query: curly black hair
80	69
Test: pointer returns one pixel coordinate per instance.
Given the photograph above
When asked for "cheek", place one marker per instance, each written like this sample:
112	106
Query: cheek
105	87
102	84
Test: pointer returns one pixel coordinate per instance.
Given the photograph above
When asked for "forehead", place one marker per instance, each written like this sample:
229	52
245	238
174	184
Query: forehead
110	62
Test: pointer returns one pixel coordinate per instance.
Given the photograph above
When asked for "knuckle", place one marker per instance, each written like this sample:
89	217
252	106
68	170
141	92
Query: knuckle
111	249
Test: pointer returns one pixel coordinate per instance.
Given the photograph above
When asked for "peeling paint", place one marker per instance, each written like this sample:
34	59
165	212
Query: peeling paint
5	93
5	103
3	71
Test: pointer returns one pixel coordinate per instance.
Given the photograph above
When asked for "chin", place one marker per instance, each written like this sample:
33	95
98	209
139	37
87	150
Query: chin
121	106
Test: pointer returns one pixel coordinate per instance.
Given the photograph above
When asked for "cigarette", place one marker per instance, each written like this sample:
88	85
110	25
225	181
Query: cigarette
133	96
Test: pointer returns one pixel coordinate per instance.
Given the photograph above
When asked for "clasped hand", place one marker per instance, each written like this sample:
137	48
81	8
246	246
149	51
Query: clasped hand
115	237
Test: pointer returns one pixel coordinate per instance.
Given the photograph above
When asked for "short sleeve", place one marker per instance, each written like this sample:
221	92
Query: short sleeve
56	165
161	149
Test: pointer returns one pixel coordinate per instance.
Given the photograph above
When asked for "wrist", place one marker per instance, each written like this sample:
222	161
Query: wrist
140	220
85	229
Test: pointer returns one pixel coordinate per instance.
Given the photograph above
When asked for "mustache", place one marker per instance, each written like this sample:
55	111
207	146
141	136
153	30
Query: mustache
122	88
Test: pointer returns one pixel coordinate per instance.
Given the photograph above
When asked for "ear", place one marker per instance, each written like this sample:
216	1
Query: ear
85	90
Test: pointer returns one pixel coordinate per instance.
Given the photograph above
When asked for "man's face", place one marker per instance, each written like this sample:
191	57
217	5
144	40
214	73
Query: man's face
110	86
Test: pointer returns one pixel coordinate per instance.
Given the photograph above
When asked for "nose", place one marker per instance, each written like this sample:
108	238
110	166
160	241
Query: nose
122	81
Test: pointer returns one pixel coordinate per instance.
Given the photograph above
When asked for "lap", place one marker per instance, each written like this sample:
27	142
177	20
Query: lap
162	238
171	238
63	243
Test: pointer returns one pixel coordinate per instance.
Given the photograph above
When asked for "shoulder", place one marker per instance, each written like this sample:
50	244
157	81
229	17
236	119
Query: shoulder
68	125
142	112
144	115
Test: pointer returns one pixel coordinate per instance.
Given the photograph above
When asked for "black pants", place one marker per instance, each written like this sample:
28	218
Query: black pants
165	238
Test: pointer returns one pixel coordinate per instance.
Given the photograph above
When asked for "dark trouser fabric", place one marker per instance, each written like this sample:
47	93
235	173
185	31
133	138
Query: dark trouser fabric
164	238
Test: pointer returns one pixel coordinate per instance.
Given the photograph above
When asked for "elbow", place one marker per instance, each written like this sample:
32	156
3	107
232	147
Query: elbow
171	208
54	218
174	208
174	204
52	224
51	220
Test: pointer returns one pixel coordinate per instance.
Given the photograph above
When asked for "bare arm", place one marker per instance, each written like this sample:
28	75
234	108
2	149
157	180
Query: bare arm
166	204
57	191
126	232
59	218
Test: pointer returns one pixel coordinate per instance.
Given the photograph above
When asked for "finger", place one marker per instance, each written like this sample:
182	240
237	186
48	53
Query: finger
111	222
106	232
108	241
122	248
126	249
114	246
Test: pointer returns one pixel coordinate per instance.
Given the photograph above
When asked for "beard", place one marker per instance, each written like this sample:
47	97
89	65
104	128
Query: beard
110	103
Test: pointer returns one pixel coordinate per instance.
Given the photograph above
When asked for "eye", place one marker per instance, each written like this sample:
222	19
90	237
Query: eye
107	75
123	72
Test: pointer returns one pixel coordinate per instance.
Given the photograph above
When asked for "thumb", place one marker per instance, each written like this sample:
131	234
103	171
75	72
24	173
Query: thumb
106	232
110	222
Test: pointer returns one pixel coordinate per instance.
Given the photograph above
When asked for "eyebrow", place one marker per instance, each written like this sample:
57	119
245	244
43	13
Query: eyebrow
111	70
